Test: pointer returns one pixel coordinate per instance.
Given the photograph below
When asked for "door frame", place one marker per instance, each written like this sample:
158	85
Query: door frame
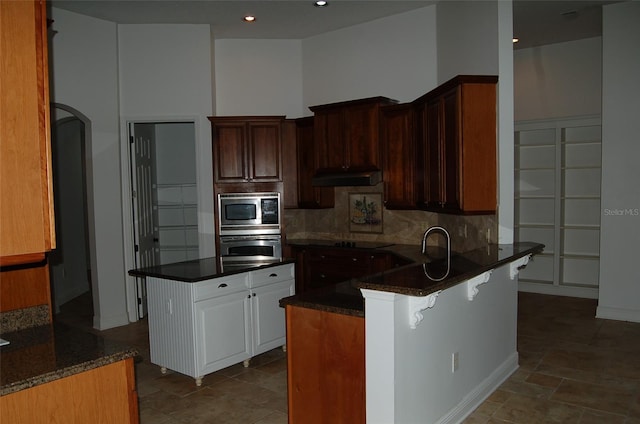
89	204
127	205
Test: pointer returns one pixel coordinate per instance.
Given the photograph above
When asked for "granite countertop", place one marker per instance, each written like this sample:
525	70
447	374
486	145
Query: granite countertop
203	269
45	353
427	274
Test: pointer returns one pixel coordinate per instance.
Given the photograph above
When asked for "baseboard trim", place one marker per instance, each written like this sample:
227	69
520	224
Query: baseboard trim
104	323
478	395
582	292
619	314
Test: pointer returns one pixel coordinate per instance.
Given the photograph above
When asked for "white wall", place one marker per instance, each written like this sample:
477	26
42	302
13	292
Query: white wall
258	77
165	75
467	38
392	57
85	77
558	80
409	371
115	73
620	223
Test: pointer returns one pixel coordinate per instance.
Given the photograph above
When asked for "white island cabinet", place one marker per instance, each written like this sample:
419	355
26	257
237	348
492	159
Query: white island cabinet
196	328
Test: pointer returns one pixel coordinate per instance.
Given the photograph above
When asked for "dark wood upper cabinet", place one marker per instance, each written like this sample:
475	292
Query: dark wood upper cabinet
347	135
247	149
309	197
289	165
457	139
400	168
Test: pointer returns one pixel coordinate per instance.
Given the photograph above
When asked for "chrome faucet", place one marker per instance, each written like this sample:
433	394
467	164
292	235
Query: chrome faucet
436	228
424	251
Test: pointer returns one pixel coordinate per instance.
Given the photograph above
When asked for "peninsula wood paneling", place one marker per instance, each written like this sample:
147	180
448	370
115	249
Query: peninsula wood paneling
326	367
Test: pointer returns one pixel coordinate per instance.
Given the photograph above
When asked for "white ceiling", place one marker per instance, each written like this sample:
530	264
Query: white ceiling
535	22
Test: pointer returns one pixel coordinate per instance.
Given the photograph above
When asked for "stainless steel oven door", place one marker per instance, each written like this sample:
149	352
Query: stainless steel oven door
250	248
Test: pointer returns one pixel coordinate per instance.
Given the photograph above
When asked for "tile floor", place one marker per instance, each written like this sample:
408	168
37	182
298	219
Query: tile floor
574	368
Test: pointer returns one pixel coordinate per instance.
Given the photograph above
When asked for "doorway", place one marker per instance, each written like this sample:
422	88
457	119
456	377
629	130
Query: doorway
164	196
72	262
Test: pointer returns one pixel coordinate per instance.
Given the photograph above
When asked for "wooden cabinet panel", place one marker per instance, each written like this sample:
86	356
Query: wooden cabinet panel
26	210
457	130
289	165
329	134
401	173
229	152
265	151
102	395
324	266
326	367
309	197
347	135
247	149
433	191
362	125
25	288
299	165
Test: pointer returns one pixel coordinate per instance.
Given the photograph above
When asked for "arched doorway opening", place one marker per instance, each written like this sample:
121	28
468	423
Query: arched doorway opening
73	263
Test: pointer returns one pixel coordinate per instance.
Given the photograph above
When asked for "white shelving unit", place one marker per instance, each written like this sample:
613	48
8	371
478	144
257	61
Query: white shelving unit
176	212
557	202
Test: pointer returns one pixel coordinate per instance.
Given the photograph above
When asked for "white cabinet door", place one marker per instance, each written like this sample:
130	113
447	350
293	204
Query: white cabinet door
269	329
223	331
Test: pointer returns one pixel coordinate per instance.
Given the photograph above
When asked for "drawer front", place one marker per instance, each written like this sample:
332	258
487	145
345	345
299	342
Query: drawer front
220	286
271	275
355	262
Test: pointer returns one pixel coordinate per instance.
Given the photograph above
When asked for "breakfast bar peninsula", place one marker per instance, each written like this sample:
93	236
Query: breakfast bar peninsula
421	343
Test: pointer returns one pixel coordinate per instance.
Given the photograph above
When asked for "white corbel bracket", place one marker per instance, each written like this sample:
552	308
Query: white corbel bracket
514	267
417	304
473	283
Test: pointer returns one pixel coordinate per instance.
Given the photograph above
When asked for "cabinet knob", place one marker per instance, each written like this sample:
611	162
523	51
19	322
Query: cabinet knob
322	276
254	295
273	275
248	296
222	285
354	259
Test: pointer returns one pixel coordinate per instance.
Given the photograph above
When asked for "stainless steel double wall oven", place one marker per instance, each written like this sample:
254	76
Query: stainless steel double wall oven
249	227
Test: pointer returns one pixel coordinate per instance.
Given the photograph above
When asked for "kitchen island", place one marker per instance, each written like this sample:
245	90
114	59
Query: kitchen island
205	314
437	337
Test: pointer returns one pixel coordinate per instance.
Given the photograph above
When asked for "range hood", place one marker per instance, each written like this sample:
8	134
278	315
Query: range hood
347	178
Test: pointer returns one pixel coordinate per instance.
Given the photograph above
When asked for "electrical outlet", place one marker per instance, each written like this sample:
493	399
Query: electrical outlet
454	362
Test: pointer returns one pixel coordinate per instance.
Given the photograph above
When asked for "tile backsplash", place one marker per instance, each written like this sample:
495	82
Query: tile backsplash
467	232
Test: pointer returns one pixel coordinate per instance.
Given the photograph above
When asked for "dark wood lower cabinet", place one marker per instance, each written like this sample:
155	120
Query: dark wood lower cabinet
324	266
326	367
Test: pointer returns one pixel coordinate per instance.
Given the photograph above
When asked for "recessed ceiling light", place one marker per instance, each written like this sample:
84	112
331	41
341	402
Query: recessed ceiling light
321	3
249	18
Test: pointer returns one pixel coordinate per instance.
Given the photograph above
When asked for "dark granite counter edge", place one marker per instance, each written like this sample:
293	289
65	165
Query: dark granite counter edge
449	282
66	372
319	304
293	301
150	272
